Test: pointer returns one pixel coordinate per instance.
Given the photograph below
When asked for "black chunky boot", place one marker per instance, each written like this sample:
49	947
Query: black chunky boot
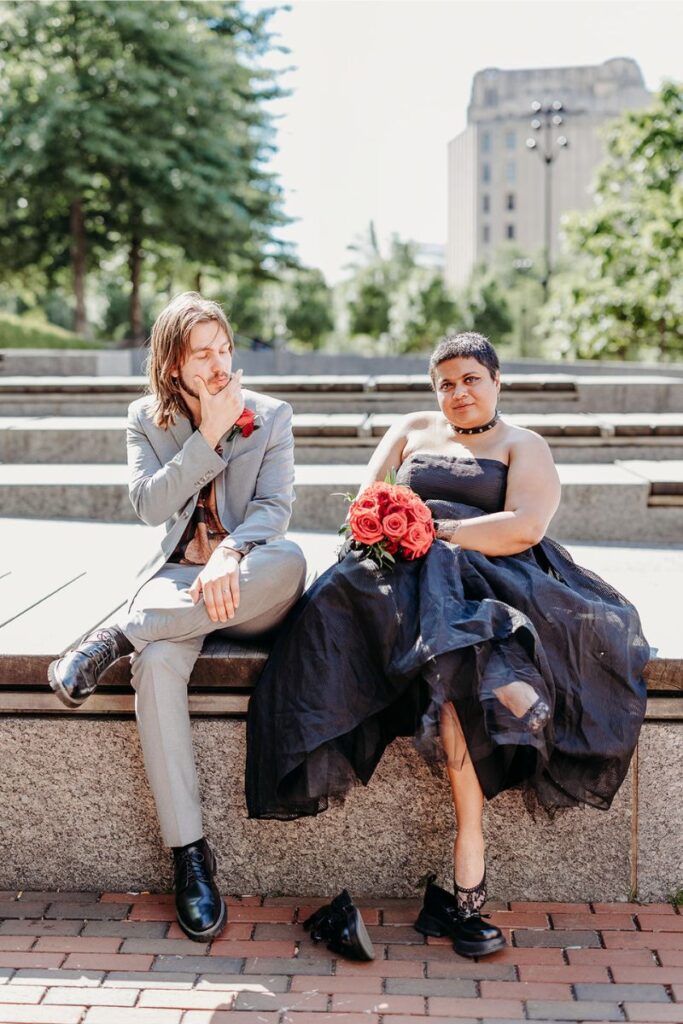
458	917
200	909
74	676
340	925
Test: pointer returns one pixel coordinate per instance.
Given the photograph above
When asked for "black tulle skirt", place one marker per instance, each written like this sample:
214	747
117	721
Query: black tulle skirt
369	654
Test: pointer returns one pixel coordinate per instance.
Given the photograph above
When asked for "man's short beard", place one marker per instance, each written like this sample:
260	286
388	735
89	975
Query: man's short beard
184	386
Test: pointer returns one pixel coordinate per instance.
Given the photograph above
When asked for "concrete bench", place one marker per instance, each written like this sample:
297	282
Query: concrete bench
75	801
80	775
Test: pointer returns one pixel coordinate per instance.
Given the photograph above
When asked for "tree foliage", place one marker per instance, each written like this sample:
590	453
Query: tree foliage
134	125
622	297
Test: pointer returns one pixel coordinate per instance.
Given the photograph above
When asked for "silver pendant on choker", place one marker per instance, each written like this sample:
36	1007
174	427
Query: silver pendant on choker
474	430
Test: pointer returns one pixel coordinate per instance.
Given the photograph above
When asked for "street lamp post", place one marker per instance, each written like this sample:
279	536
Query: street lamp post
547	118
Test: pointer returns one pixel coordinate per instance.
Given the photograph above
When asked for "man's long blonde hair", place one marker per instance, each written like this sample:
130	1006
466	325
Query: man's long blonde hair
169	345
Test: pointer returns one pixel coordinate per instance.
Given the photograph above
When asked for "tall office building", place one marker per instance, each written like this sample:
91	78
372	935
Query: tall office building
496	184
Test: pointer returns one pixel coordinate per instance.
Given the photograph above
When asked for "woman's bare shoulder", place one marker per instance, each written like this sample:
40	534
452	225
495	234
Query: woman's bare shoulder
526	443
420	420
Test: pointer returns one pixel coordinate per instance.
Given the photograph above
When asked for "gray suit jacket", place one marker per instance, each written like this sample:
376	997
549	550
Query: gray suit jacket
168	468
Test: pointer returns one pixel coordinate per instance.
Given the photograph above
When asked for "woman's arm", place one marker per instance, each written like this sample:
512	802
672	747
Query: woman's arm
531	500
389	452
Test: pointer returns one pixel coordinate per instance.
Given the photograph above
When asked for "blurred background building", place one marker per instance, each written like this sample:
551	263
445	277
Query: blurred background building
496	184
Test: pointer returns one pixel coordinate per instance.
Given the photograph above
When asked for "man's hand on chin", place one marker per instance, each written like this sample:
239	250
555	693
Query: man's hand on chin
219	583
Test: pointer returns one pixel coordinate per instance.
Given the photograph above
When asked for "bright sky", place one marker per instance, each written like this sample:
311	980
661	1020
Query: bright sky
381	86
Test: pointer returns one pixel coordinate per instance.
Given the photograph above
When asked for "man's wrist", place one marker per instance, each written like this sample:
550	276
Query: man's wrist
232	552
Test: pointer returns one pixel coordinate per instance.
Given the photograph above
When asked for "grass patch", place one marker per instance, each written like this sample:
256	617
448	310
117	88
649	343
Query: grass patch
22	332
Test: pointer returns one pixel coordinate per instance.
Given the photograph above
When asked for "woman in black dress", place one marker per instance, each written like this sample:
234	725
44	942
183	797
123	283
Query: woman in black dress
495	650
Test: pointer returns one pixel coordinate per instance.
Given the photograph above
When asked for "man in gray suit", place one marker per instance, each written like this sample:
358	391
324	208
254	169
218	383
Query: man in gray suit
214	464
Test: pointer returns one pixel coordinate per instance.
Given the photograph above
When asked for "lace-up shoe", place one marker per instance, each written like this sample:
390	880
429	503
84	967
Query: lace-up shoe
74	676
444	914
200	909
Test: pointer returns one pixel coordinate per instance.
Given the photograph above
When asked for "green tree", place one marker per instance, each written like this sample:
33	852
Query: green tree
308	306
622	297
136	125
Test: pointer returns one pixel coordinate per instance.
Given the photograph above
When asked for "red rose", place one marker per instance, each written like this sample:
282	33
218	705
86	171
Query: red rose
366	528
395	524
418	540
421	512
365	503
245	422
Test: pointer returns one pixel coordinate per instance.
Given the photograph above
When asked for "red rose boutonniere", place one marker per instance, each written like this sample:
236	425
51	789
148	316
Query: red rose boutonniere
245	425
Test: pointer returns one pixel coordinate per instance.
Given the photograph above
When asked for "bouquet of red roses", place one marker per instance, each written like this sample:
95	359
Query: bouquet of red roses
390	519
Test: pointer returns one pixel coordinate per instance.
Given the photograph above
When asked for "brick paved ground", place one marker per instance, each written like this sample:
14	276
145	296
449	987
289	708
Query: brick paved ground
117	958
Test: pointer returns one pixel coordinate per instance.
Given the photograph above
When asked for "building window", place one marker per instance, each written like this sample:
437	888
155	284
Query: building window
486	204
486	173
510	231
510	140
511	172
486	234
510	201
486	142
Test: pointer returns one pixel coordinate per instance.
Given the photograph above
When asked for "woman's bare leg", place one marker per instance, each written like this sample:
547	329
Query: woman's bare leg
468	799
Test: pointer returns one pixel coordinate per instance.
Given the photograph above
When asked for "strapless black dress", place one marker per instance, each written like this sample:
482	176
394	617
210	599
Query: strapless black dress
369	654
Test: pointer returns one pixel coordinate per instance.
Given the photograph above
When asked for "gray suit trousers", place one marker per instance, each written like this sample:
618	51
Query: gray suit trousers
167	631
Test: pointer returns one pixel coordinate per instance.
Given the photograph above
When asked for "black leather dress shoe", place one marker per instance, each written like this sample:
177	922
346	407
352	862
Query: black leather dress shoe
199	906
441	915
340	925
74	676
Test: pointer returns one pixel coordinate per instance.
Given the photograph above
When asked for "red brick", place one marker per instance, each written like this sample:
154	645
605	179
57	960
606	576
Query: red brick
43	960
151	912
399	915
569	974
660	922
676	989
165	899
633	908
608	957
16	943
643	940
442	1007
551	908
76	944
395	933
516	919
652	1013
647	975
252	948
383	968
256	914
525	990
596	922
671	957
108	962
329	983
363	1003
528	955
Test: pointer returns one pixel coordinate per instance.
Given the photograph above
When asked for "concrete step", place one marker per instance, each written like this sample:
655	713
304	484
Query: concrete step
351	437
553	392
631	501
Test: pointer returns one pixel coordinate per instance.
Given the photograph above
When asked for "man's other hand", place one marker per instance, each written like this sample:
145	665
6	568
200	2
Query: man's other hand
221	411
219	582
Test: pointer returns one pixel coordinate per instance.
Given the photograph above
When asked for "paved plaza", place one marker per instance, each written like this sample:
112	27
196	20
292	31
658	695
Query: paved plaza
120	958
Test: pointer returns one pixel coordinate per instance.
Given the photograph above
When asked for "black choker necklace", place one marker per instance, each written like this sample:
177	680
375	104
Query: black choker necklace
474	430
